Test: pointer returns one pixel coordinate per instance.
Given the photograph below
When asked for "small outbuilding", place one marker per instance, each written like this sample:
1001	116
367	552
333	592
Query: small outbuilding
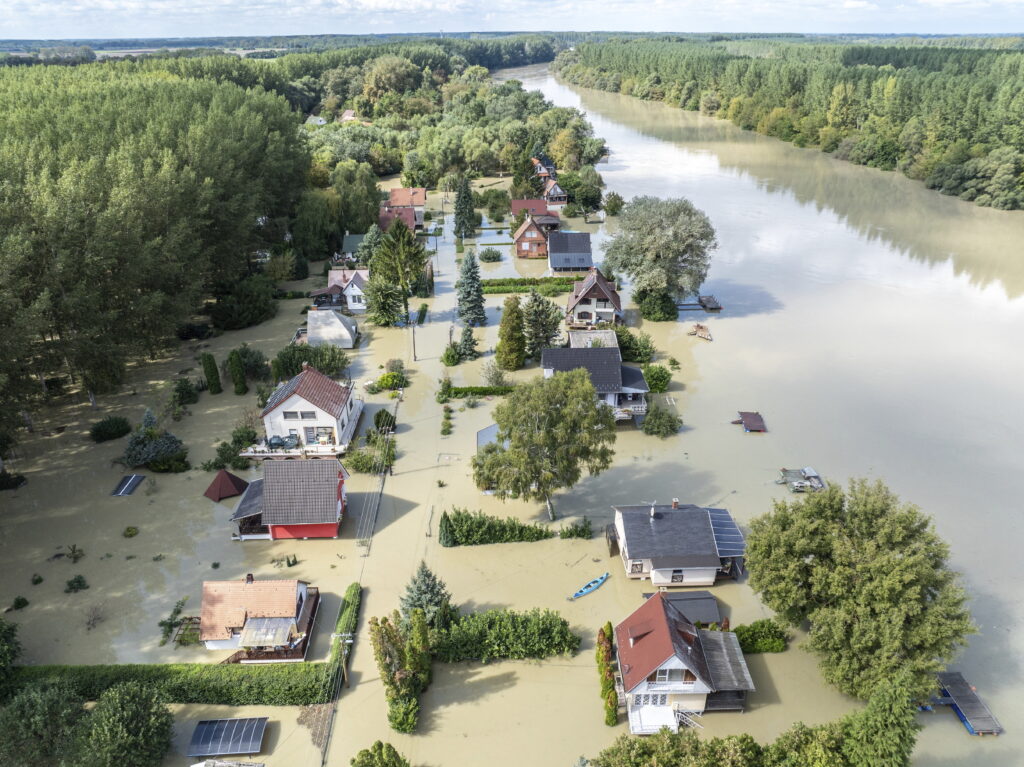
225	485
224	737
330	326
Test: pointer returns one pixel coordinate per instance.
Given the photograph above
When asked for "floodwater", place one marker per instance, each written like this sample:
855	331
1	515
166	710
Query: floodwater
873	324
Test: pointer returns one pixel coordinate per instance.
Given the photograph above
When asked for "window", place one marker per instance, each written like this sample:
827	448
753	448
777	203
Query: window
584	302
308	415
356	299
636	566
689	677
291	415
661	675
650	700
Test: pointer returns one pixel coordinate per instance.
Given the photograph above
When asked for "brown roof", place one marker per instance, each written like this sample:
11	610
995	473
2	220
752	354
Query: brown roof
596	284
533	207
525	227
389	213
406	195
302	492
225	485
342	277
228	604
314	387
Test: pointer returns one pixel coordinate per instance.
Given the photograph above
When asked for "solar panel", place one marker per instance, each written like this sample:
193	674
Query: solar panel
128	484
728	538
219	737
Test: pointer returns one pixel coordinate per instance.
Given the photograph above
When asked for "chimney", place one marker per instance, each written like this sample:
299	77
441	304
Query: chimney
675	503
248	578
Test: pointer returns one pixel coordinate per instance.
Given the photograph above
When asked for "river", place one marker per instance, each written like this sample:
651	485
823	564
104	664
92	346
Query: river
876	326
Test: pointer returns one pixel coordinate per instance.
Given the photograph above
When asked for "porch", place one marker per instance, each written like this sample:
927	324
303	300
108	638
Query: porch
343	439
291	653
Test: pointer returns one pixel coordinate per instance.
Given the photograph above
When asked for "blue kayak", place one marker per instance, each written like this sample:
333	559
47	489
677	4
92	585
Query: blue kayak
592	586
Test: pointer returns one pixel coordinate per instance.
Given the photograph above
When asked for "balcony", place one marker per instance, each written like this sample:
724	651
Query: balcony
261	450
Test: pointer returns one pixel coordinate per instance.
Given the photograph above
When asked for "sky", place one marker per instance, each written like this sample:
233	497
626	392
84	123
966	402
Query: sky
53	19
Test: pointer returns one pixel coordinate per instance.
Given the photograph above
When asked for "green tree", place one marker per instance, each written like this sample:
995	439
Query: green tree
613	203
465	216
384	304
38	725
379	755
542	324
658	377
467	345
426	592
400	259
237	372
469	293
663	245
390	74
374	237
211	373
355	184
661	422
129	725
554	428
328	359
511	350
10	647
316	231
445	536
450	356
526	184
870	576
883	733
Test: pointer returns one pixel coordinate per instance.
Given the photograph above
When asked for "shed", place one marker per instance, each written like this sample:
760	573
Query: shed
225	485
220	737
328	326
751	421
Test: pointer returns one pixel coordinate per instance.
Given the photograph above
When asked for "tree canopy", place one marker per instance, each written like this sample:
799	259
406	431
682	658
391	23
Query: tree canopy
400	260
38	726
469	292
129	725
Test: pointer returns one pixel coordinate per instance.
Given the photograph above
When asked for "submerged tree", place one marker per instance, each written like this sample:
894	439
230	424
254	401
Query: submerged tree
379	755
511	350
465	216
383	302
400	259
467	345
38	725
542	324
469	292
129	725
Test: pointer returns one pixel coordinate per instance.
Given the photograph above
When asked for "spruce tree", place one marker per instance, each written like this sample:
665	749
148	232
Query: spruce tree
467	344
444	531
400	260
368	247
465	221
427	592
526	184
383	302
511	351
542	323
469	293
211	373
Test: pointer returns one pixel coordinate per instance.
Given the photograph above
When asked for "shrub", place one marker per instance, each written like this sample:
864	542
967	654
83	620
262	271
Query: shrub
211	373
489	255
39	726
581	529
657	377
660	422
451	357
111	427
194	331
36	579
613	203
611	709
476	528
404	714
76	584
764	635
10	481
328	359
393	380
444	393
130	532
248	302
380	754
634	347
656	307
254	363
360	461
237	372
184	393
446	428
227	457
151	446
348	618
383	420
494	375
505	635
19	603
421	314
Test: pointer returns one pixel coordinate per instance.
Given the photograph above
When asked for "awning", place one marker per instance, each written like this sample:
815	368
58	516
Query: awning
217	737
266	632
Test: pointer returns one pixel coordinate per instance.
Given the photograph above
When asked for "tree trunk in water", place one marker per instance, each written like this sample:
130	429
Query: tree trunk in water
551	509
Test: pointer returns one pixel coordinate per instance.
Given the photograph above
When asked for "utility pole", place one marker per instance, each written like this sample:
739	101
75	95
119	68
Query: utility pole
413	326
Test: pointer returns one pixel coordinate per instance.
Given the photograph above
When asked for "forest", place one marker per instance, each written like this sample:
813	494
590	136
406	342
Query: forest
950	116
142	199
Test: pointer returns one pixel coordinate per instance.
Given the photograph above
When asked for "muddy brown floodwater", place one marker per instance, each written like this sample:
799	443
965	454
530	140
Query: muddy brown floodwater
875	324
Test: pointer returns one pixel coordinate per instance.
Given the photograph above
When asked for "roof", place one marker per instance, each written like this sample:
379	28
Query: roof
252	501
699	606
570	249
389	213
266	632
225	485
725	661
527	225
487	436
594	283
348	114
547	219
328	326
228	604
342	277
407	195
602	364
350	242
551	188
220	737
633	381
752	421
672	538
534	207
583	339
302	492
312	385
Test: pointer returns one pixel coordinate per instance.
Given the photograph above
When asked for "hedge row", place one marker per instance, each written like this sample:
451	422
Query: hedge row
492	290
233	684
505	635
348	617
480	391
463	528
528	281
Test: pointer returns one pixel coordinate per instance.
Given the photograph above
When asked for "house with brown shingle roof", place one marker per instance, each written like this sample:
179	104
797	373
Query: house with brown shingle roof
272	617
532	207
530	240
408	216
593	300
345	288
316	410
672	670
408	197
554	195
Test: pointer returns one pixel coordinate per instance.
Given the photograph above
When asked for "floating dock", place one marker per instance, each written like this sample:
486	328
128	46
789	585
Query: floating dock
709	303
801	480
751	421
966	704
701	331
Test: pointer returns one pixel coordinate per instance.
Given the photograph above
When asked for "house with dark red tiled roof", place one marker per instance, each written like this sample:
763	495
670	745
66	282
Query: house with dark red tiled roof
312	410
672	670
408	216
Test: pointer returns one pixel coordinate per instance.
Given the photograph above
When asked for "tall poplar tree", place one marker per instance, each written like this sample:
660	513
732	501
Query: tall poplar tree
465	220
469	292
511	350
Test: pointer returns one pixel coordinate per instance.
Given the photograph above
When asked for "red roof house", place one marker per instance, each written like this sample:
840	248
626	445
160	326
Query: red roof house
531	240
407	197
388	214
533	207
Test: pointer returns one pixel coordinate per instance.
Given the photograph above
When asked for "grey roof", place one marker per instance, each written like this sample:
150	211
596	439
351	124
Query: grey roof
251	503
699	606
218	737
266	632
350	242
357	280
725	661
633	380
686	643
327	326
602	364
570	250
487	436
671	538
583	339
300	492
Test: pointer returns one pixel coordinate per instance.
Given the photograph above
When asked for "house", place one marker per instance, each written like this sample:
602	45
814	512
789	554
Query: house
321	413
414	198
671	670
619	386
554	195
543	167
532	207
345	288
678	545
593	339
316	120
569	252
530	240
348	116
549	222
294	499
699	606
272	617
593	300
350	244
327	325
389	214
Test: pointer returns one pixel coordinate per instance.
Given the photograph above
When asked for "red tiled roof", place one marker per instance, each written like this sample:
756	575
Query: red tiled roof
533	207
407	195
227	605
314	387
389	213
596	281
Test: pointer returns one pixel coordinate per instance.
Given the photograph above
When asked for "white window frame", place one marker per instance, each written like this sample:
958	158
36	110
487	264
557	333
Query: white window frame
290	415
307	415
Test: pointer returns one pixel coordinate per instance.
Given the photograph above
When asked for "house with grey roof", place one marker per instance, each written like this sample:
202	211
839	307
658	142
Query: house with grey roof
594	301
569	252
678	545
621	387
346	289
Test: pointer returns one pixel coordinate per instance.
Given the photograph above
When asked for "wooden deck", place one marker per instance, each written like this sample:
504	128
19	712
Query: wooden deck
965	702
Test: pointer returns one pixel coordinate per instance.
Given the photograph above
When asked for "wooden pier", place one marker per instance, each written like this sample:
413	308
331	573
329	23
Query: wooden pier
966	704
709	303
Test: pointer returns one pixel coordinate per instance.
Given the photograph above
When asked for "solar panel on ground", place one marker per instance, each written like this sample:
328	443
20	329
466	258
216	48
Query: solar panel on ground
219	737
128	484
728	537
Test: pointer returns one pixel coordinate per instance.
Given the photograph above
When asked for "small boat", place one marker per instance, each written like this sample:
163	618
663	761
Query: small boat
592	586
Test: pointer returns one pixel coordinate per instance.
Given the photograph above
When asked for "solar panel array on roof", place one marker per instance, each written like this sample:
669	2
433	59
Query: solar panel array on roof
128	484
218	737
728	537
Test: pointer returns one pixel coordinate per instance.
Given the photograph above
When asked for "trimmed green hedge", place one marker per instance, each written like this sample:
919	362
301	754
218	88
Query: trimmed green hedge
505	635
480	391
464	528
285	684
347	620
527	281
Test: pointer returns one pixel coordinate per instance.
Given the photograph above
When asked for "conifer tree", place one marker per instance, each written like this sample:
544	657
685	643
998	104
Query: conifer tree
526	184
465	221
383	302
374	237
444	531
511	351
427	592
237	371
400	260
467	345
470	293
542	322
211	373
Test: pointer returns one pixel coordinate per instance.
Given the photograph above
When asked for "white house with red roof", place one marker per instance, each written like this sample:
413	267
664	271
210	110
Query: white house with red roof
672	671
293	499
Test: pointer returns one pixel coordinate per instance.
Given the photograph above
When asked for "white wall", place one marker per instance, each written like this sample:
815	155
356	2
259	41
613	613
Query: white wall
692	576
224	644
275	424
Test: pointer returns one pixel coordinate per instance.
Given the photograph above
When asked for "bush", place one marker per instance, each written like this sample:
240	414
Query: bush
329	360
160	450
505	635
19	603
111	427
494	375
237	373
130	532
394	380
380	754
76	584
451	357
184	393
248	302
10	481
660	422
446	428
254	363
613	203
657	377
194	331
211	373
39	727
611	709
227	457
36	579
582	529
383	420
130	724
229	684
550	291
404	714
657	307
489	255
421	314
634	347
476	528
764	635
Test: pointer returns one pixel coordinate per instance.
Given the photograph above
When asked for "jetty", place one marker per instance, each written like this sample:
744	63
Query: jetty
960	696
801	480
709	303
751	421
701	331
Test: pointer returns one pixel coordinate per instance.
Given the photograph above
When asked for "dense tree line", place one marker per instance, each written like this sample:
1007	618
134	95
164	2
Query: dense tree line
949	116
